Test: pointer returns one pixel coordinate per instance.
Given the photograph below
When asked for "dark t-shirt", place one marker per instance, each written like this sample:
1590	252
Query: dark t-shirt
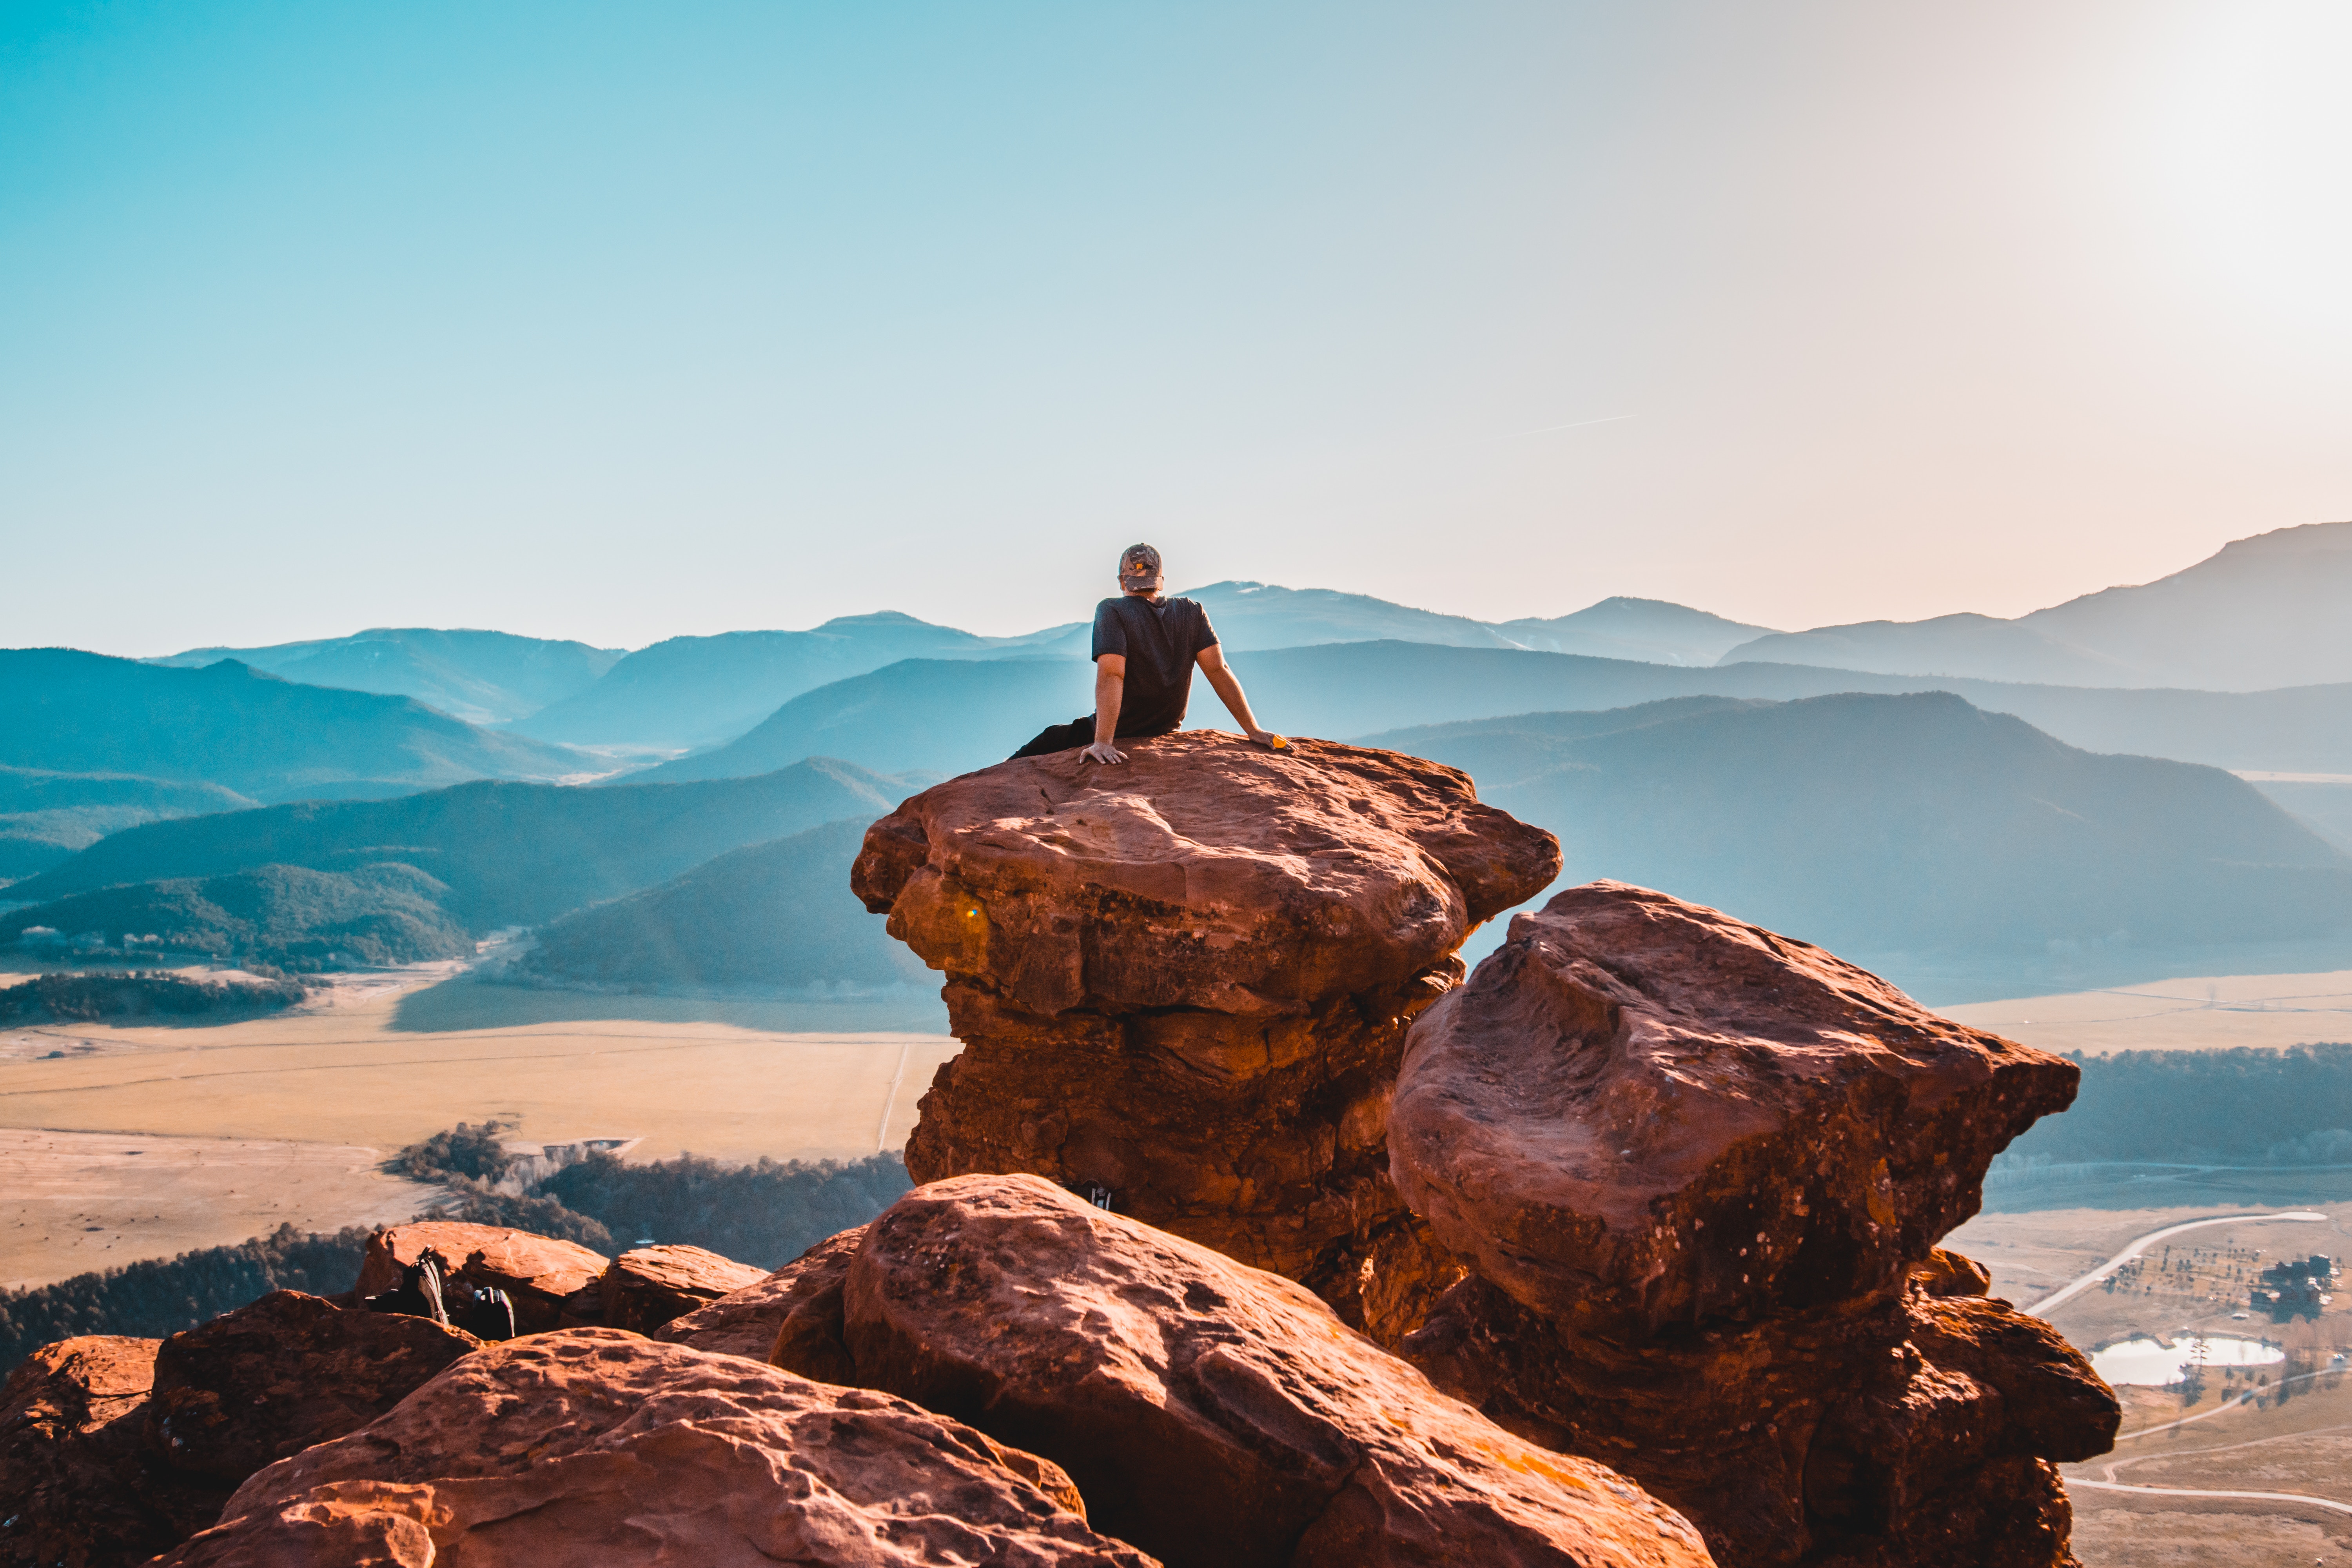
1160	642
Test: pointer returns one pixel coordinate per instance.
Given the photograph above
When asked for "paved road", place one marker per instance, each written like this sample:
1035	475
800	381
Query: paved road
2073	1482
2067	1292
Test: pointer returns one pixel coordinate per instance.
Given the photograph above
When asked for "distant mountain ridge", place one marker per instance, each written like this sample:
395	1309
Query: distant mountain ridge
508	854
703	690
45	815
1872	824
2272	611
690	693
482	677
950	716
774	916
263	736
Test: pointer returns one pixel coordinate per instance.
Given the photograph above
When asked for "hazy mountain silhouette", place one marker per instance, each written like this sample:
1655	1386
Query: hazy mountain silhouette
699	692
287	916
773	916
44	816
511	853
2272	611
1651	631
947	717
938	715
483	678
692	692
256	733
1876	823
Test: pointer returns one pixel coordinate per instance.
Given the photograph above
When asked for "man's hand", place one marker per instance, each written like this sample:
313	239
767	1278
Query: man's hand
1102	751
1269	740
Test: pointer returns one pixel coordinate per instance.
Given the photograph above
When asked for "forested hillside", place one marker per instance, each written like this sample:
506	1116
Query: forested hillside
277	917
771	916
510	854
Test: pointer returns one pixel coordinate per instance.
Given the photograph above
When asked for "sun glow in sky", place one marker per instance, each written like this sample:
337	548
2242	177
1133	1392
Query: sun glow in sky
621	323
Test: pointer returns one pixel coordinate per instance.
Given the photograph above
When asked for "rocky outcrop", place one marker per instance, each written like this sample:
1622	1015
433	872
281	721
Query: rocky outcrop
290	1370
538	1272
1697	1171
78	1484
598	1445
792	1317
113	1449
1213	1413
1184	984
644	1288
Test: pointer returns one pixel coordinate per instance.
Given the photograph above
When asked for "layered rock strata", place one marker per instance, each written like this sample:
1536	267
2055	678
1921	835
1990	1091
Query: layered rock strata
1184	984
598	1445
1697	1171
1213	1413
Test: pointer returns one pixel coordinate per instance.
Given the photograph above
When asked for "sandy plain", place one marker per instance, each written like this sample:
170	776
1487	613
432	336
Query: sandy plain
241	1125
2200	1012
385	1060
74	1202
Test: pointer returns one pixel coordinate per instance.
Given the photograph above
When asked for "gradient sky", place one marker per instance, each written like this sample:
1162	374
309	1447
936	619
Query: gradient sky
622	322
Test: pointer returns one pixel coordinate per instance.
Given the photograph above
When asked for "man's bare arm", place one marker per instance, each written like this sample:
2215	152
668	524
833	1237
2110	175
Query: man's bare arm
1228	687
1110	686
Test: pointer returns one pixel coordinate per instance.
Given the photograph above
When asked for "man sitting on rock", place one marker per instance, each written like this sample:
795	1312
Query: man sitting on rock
1145	647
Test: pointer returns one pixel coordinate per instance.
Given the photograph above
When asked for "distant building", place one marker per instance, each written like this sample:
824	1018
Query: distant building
2297	1287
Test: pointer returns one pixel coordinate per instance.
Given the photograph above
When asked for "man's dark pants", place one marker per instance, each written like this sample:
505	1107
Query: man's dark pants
1059	738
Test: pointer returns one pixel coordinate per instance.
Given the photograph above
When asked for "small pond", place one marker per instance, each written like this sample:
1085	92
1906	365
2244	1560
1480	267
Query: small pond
2154	1363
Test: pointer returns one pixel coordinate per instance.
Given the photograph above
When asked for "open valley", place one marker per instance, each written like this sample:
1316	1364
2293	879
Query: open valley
245	1125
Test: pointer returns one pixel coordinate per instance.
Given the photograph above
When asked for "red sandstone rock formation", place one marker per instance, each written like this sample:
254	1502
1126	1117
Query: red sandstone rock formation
647	1288
77	1482
805	1293
1698	1171
290	1370
1186	981
538	1272
595	1446
1211	1412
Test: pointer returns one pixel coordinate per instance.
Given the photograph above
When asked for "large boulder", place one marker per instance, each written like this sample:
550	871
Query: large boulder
643	1289
1211	1412
78	1484
539	1273
1183	983
1697	1172
595	1445
270	1379
1641	1112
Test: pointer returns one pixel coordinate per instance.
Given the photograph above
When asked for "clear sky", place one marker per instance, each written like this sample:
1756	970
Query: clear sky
619	322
